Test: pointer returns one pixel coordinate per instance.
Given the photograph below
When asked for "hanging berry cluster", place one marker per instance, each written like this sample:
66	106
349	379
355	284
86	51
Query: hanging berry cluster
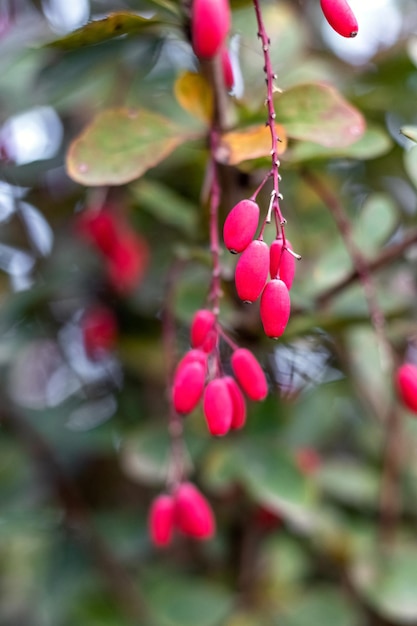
262	271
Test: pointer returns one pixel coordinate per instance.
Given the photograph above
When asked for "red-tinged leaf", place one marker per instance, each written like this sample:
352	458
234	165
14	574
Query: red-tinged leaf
120	145
317	112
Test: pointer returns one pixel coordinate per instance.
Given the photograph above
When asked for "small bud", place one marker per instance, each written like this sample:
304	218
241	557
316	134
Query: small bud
188	387
193	513
275	308
210	23
406	383
240	225
252	271
228	77
218	407
161	520
340	17
249	374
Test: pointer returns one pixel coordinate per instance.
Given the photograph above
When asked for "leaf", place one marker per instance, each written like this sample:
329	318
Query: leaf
317	112
373	143
388	582
321	605
410	132
145	458
410	164
350	482
177	601
194	95
114	25
120	145
376	223
249	143
274	481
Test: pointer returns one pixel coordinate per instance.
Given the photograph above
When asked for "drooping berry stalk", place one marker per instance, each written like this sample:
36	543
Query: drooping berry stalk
270	87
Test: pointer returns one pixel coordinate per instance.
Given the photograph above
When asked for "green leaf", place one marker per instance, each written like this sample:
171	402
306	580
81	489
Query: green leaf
120	145
373	143
410	164
114	25
145	458
388	582
322	605
376	223
176	601
350	482
166	205
317	112
273	479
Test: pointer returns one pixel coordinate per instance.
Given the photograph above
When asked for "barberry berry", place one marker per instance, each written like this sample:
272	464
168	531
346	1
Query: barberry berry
229	79
192	356
218	407
202	324
99	331
238	403
282	262
210	23
249	374
240	225
275	308
252	271
340	17
406	383
188	387
193	513
161	520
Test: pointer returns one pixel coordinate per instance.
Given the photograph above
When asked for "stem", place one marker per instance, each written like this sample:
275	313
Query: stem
270	77
359	262
215	288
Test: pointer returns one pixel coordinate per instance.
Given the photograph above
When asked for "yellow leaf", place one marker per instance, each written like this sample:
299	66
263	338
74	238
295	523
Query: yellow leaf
193	93
250	143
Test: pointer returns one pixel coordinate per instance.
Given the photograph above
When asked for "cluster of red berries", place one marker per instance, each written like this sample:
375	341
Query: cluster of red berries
186	510
256	262
197	376
99	331
406	383
210	25
340	17
125	252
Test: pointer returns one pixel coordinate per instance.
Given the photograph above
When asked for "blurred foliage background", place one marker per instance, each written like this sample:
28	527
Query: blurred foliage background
315	499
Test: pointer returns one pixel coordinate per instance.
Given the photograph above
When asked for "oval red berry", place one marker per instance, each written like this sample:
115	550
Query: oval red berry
249	374
275	308
406	382
99	329
202	324
282	262
340	17
188	387
193	513
238	403
240	225
228	77
161	520
252	271
218	407
210	23
192	356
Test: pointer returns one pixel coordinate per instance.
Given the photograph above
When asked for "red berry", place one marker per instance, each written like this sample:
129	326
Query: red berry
238	402
128	261
210	341
99	228
192	356
275	308
340	17
203	322
218	407
210	23
188	387
406	382
249	374
252	271
229	80
194	515
282	262
161	520
240	225
99	328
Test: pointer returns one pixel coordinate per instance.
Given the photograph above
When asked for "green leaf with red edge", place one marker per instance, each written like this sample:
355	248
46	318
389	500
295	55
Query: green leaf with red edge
317	112
119	145
114	25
